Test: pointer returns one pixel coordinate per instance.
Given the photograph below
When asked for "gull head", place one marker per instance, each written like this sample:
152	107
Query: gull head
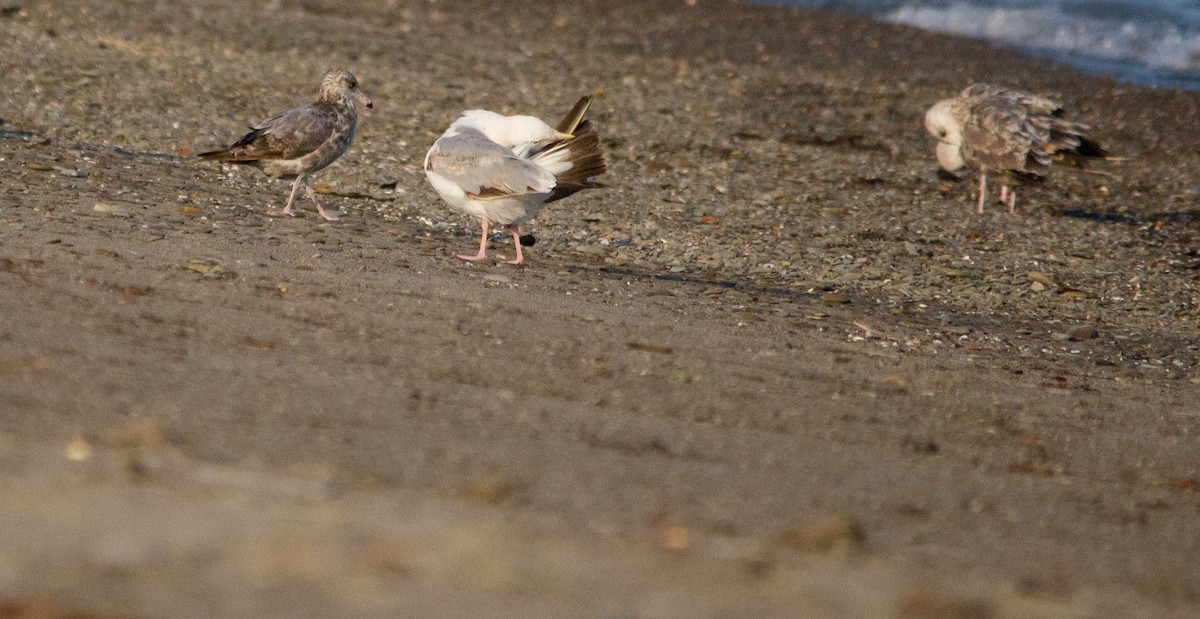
944	121
340	85
508	131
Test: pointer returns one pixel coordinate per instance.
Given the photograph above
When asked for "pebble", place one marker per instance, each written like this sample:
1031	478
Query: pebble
834	298
497	278
78	449
108	208
204	266
1083	332
1038	277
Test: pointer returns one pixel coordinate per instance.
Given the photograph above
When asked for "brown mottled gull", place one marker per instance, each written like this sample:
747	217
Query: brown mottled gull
303	140
1015	134
504	169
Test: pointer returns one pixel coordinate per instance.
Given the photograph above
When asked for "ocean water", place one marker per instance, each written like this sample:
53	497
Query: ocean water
1148	42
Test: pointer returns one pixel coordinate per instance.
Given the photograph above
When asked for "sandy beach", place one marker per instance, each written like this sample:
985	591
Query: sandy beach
777	367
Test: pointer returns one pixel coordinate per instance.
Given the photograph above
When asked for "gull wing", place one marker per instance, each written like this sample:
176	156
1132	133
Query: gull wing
1000	134
288	135
484	169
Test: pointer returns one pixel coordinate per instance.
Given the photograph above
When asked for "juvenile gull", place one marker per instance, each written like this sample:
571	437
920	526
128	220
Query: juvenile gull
296	143
504	169
1014	134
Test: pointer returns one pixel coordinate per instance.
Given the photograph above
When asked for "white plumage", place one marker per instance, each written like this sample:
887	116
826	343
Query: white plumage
504	169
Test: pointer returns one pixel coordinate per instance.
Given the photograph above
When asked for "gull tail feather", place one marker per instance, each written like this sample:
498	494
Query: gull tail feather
575	162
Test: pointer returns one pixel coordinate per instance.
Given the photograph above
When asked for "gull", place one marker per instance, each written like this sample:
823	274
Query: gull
504	169
1014	134
298	142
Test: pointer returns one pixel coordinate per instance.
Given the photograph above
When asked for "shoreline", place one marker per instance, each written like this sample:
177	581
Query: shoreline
1126	70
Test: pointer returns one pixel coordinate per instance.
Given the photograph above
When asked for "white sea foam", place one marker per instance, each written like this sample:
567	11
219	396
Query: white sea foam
1146	41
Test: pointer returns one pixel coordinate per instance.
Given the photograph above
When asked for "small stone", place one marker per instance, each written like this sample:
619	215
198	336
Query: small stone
1083	332
188	209
497	278
1038	277
1072	293
834	298
78	449
674	538
201	265
39	167
1037	286
108	208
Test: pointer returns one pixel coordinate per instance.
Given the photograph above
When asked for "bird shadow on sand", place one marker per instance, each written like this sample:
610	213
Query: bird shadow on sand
701	280
1130	217
145	154
18	134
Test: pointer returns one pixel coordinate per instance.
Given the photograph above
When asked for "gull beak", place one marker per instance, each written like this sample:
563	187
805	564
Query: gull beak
563	136
363	99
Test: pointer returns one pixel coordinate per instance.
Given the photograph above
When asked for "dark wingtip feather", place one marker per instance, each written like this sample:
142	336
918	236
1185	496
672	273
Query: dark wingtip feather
1092	149
563	190
1080	156
571	121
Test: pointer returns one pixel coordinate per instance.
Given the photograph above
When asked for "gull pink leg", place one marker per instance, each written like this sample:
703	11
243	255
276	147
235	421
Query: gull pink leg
482	245
516	234
1012	202
287	210
1003	193
312	195
982	191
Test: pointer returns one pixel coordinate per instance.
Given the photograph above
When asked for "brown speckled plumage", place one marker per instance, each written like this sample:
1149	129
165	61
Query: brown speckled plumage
301	141
1016	134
